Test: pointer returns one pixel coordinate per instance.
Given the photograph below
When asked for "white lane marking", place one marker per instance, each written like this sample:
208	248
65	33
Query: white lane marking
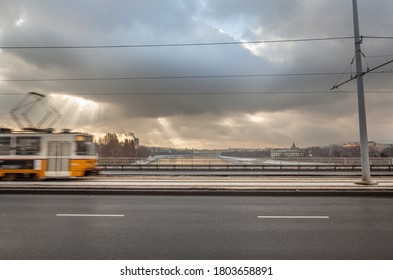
293	217
89	215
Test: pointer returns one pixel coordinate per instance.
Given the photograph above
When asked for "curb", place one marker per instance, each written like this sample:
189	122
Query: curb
201	191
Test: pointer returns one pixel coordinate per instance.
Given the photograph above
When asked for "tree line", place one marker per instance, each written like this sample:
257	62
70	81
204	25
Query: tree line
330	151
111	146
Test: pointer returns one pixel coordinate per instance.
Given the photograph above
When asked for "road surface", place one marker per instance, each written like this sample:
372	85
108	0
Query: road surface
194	227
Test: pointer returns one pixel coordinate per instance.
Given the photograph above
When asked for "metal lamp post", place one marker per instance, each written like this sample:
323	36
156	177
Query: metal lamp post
366	177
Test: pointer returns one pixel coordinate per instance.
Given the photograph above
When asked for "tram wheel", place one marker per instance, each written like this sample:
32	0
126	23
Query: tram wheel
35	177
9	177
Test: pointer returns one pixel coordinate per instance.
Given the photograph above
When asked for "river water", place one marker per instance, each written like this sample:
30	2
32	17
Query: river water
193	160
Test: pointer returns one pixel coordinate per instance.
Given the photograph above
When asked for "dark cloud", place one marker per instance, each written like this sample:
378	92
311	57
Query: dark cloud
199	111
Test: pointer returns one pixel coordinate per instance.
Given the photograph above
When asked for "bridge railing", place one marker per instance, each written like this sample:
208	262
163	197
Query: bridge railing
246	167
200	161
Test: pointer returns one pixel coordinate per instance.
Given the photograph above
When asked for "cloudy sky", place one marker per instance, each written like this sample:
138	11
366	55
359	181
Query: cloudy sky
151	67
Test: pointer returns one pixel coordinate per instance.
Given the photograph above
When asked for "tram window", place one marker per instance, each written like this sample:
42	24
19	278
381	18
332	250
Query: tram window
5	143
28	145
85	145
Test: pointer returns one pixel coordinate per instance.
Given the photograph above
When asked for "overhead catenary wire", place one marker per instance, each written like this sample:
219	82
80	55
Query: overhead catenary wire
167	77
4	47
382	55
336	86
203	93
345	72
378	37
15	47
187	93
60	79
368	71
178	45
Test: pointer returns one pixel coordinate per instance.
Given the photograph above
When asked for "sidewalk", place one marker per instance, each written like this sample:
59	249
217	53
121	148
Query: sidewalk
204	185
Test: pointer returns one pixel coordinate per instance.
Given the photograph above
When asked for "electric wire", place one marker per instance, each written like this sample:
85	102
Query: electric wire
336	86
349	66
204	93
194	44
383	55
183	77
179	44
378	37
168	77
196	76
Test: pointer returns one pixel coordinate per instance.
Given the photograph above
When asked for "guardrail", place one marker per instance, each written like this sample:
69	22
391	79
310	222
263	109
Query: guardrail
245	167
258	161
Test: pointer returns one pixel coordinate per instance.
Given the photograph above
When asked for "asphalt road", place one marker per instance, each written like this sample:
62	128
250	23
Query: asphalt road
194	227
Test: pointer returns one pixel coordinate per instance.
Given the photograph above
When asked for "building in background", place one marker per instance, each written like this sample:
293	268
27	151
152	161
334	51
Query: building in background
352	149
285	153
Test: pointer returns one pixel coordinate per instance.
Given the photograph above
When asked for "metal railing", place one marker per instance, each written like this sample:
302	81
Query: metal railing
206	161
246	167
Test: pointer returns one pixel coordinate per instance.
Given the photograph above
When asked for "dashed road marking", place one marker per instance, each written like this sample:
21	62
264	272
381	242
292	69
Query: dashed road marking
293	217
89	215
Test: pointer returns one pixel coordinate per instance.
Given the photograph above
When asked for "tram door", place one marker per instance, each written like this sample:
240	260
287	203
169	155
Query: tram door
59	154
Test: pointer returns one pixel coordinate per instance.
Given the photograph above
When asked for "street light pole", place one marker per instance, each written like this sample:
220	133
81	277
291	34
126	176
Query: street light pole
366	177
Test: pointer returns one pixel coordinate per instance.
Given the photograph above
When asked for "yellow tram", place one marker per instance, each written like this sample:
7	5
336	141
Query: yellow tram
43	153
